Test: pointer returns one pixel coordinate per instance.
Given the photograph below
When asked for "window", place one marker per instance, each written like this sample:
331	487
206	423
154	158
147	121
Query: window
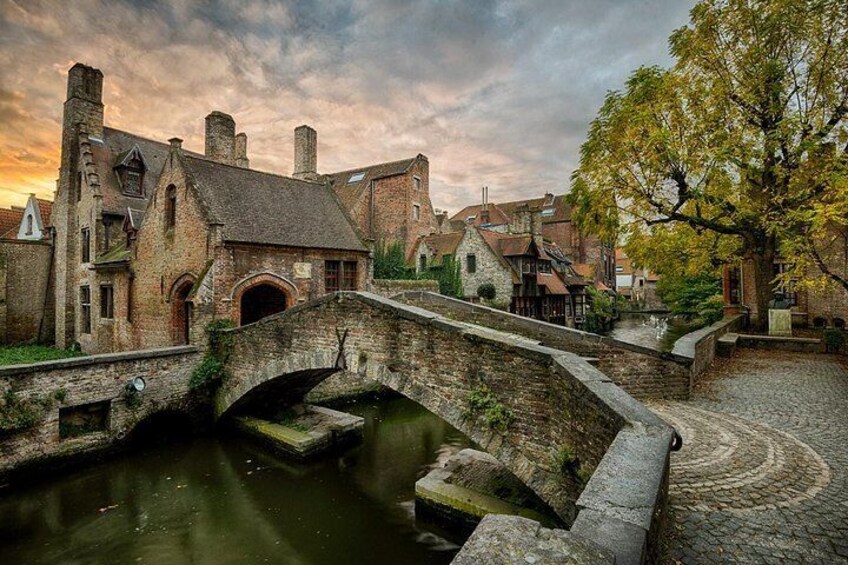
734	285
349	275
331	276
79	187
29	224
85	244
416	183
132	183
85	309
340	275
355	177
619	269
422	263
171	207
786	288
471	263
416	212
548	211
107	303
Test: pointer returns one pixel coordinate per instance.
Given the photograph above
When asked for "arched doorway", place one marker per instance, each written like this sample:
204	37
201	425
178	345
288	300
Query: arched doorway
181	313
260	301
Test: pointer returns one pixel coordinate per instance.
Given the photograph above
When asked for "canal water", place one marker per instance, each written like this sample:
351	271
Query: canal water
642	330
222	499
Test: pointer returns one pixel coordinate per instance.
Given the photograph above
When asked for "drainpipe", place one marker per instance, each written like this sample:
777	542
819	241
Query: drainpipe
49	281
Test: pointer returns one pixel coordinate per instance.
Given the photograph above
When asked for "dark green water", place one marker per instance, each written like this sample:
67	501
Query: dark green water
224	500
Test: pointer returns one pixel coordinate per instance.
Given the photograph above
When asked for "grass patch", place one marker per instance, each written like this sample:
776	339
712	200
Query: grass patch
24	354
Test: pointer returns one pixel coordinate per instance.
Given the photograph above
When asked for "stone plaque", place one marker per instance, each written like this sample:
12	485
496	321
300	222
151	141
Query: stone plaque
780	322
303	270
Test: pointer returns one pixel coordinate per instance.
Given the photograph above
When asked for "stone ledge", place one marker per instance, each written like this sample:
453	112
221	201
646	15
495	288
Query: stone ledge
511	540
73	362
686	345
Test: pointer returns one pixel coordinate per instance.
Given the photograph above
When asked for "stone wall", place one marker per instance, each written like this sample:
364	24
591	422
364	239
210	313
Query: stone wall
490	268
81	381
700	346
26	292
558	402
390	288
641	371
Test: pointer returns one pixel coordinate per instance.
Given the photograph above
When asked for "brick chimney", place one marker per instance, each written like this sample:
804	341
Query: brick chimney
521	220
220	137
305	153
241	151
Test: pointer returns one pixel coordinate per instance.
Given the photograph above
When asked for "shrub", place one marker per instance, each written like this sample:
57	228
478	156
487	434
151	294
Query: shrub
17	414
599	314
448	275
487	291
390	262
711	310
210	371
483	401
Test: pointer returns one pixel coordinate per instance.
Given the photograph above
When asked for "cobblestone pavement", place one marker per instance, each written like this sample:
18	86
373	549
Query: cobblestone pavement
763	474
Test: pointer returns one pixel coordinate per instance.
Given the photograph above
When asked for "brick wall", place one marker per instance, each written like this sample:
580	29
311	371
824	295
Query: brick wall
27	302
85	380
641	371
700	345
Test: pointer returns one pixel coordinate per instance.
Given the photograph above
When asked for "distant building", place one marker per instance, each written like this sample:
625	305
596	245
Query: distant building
639	286
593	258
531	277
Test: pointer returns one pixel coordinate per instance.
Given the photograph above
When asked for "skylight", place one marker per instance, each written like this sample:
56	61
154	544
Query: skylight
355	177
548	212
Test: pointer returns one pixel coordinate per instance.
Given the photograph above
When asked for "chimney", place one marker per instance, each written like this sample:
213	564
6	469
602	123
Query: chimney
84	106
536	226
176	143
305	153
521	220
241	151
220	137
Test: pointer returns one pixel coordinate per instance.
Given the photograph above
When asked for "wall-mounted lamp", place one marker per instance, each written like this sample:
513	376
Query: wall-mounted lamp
136	385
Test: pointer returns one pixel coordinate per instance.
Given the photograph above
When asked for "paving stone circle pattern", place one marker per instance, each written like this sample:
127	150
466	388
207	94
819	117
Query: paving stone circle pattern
763	474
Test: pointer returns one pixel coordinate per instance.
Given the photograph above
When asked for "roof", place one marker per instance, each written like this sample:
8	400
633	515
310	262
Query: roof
10	222
442	244
585	270
45	208
115	146
502	212
349	192
552	283
263	208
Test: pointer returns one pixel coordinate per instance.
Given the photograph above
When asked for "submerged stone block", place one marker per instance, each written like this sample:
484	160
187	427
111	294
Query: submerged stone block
471	485
306	431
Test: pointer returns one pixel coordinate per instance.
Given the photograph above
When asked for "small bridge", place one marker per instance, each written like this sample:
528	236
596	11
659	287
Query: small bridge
537	407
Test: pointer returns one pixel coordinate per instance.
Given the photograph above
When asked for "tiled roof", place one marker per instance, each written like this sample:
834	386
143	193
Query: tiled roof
10	222
502	212
442	244
45	208
105	152
349	192
263	208
552	282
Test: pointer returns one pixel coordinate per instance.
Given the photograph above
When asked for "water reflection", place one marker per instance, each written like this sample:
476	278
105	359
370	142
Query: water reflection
223	500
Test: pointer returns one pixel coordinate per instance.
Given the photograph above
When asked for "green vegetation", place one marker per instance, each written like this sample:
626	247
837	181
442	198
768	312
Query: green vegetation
695	298
568	464
599	314
289	420
24	354
738	151
17	414
212	369
483	401
487	291
448	275
390	262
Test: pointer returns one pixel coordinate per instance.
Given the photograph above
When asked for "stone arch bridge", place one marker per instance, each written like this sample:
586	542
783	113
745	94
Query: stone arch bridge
559	403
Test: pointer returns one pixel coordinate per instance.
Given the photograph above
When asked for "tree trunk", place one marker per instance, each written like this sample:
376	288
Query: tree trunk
761	258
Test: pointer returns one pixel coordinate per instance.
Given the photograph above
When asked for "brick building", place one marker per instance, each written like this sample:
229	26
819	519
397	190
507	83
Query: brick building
822	307
532	277
589	254
26	289
388	202
153	241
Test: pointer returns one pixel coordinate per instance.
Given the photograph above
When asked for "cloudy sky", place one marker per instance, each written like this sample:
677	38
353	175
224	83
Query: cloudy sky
496	93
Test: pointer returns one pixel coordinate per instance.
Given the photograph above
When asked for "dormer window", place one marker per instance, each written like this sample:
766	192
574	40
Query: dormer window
130	168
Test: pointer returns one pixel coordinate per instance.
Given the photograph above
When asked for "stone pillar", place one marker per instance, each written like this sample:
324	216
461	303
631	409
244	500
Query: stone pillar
305	153
241	151
220	137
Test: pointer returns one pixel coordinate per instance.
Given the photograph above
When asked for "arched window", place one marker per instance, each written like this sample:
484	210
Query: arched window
29	224
171	207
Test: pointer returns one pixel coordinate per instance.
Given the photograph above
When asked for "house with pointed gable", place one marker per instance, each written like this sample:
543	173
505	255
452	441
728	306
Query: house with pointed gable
154	241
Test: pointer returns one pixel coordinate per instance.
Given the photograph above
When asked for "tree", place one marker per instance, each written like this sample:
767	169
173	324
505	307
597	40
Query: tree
741	142
600	312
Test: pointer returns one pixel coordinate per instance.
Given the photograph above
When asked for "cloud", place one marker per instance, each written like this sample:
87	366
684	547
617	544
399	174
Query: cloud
496	93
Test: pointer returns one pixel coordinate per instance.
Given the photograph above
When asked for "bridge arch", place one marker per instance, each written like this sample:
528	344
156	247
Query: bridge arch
439	364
